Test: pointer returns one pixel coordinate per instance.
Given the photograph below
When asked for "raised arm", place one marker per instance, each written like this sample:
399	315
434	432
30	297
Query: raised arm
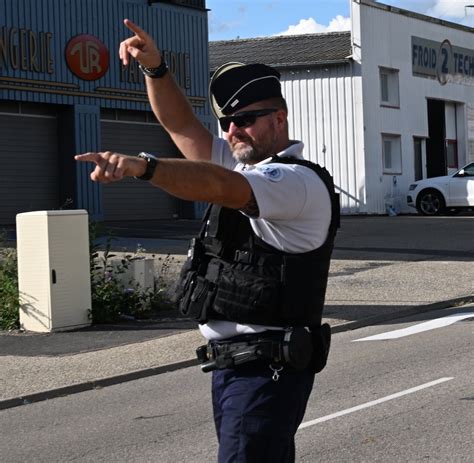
168	102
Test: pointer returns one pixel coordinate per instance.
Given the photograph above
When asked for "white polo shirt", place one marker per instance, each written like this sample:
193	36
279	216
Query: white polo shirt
294	213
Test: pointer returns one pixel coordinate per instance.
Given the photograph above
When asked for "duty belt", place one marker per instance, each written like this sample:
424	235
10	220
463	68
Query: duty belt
291	347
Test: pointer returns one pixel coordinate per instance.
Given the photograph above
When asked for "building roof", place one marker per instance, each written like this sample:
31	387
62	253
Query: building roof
283	51
412	14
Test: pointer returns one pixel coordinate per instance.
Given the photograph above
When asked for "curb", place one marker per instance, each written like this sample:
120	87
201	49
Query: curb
441	305
95	384
118	379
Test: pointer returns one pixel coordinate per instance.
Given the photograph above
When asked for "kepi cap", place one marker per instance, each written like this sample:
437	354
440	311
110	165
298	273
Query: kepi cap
235	85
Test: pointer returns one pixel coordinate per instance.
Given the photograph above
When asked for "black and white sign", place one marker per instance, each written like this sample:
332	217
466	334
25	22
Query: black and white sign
442	61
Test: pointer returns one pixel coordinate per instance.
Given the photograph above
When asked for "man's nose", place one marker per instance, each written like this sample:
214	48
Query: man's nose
233	129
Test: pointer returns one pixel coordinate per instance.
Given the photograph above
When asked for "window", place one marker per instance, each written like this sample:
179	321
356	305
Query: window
145	117
418	157
389	94
391	154
469	170
199	4
452	154
31	109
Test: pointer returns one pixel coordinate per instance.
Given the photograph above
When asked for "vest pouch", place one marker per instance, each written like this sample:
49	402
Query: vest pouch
201	299
246	297
189	269
197	297
184	292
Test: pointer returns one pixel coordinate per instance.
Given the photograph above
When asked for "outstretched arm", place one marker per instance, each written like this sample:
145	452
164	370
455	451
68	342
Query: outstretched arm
168	102
190	180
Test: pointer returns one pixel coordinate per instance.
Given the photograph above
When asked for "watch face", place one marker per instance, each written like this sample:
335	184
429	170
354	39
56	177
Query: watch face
149	157
151	163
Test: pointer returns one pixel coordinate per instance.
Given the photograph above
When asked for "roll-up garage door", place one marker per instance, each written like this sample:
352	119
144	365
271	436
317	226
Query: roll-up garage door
133	199
29	167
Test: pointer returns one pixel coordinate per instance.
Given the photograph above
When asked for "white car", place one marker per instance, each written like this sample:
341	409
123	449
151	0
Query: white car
450	193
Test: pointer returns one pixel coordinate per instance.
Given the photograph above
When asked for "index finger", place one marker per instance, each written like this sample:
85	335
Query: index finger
135	29
88	157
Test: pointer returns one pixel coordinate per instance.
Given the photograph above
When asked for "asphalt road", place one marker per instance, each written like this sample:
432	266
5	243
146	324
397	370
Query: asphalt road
403	399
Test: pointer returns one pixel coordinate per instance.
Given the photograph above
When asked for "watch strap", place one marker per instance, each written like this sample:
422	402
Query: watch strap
155	73
151	163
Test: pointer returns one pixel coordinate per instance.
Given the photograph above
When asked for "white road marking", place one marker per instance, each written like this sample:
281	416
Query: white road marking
373	402
420	327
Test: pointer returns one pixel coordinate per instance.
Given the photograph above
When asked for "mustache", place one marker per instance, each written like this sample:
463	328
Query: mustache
239	138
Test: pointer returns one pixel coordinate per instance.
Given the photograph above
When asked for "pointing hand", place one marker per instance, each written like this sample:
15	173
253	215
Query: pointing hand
112	167
141	47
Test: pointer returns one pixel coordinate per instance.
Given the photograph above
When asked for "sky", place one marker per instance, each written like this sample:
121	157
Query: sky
232	19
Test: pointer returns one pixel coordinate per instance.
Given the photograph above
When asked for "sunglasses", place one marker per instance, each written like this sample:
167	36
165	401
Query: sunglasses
244	119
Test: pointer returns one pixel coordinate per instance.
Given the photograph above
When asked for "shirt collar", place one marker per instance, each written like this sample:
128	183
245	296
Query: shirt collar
295	150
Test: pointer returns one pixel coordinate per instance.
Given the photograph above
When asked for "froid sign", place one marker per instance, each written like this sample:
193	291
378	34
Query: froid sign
442	61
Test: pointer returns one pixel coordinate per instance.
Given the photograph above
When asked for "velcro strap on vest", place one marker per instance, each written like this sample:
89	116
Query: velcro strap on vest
247	257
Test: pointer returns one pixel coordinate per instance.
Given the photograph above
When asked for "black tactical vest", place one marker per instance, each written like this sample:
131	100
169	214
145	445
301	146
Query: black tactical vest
231	274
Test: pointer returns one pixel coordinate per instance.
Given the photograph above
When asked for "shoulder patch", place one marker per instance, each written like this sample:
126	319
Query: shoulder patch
272	173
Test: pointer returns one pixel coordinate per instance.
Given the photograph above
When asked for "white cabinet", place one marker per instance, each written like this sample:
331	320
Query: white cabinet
53	270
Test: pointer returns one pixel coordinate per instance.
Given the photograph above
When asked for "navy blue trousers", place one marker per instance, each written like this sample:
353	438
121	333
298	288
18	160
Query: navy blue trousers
257	418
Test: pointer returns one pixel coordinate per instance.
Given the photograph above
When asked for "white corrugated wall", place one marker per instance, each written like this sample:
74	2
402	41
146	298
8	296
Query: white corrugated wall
323	114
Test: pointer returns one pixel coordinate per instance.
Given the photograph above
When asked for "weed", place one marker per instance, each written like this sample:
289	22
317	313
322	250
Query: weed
112	298
9	299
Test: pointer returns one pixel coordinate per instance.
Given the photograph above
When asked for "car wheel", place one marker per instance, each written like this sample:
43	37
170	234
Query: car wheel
430	202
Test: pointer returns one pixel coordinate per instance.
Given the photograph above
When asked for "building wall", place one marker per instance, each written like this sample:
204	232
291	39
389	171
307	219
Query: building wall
383	38
324	114
470	131
65	54
49	25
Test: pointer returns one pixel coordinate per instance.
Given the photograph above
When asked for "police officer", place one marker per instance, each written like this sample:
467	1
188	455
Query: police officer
257	273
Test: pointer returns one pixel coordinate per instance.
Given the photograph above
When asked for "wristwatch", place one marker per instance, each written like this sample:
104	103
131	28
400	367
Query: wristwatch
155	73
151	163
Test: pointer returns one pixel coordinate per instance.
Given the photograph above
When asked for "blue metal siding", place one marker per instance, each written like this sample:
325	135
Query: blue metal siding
87	138
176	29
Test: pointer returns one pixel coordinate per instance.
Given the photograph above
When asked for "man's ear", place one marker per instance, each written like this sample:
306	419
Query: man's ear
282	117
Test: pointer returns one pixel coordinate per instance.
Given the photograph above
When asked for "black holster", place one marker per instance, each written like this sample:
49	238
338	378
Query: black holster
321	339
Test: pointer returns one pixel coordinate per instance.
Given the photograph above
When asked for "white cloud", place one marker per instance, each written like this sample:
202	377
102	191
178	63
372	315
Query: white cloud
310	26
339	23
305	26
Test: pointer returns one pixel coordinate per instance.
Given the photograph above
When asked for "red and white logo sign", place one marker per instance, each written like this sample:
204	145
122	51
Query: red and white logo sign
87	57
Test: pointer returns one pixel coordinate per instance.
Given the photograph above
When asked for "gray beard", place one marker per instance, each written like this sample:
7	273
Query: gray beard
246	155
